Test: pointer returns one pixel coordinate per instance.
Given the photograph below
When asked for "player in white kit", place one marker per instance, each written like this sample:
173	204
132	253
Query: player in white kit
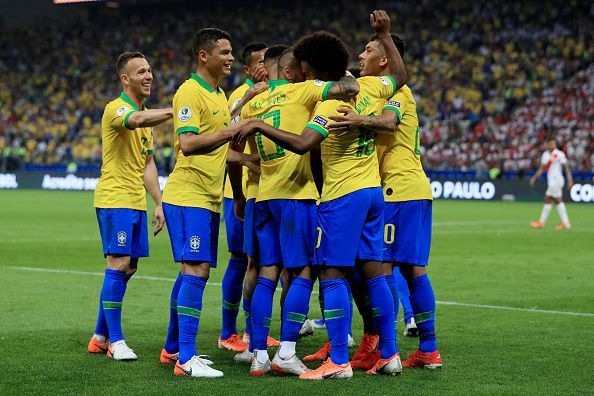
551	162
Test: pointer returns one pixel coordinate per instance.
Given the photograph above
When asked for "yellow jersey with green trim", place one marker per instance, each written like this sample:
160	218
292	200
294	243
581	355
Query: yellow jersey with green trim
248	177
121	184
286	106
403	178
197	180
349	162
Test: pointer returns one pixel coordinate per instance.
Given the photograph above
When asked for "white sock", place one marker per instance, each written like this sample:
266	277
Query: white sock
261	356
99	337
562	210
546	209
287	349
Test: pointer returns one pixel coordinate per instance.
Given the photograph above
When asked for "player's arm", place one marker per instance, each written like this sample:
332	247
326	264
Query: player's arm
151	183
194	143
147	118
569	175
539	172
249	95
345	88
380	23
350	119
299	144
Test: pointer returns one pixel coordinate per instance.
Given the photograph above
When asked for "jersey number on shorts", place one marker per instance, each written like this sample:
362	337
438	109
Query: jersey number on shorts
389	234
276	120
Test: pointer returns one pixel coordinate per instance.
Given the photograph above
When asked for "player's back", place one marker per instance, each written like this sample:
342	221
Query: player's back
399	153
284	174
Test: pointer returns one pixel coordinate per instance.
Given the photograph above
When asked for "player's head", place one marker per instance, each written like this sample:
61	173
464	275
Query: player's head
551	143
271	57
212	51
252	55
289	67
372	60
322	56
135	74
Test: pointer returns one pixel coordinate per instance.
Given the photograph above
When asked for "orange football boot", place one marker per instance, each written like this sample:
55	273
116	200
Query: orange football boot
367	355
329	370
233	343
168	358
97	347
322	354
391	366
536	224
562	226
431	360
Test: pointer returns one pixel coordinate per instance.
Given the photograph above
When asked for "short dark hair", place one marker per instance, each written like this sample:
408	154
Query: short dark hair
124	58
325	53
397	39
274	52
286	58
206	39
246	55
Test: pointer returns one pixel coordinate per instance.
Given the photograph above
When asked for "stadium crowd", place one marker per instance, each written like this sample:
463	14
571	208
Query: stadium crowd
490	79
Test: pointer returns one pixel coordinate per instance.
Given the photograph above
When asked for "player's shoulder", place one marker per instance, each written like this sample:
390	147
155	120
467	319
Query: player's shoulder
367	81
330	106
118	107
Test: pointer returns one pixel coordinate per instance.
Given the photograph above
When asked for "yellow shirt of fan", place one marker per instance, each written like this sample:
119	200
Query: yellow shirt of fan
121	184
286	106
248	177
197	180
403	178
349	162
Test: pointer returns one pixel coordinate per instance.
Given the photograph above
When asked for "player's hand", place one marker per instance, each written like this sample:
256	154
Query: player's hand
158	219
380	21
343	123
256	89
532	180
251	161
239	208
246	128
259	74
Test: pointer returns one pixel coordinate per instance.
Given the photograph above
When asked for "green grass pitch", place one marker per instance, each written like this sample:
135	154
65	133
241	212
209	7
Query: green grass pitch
483	253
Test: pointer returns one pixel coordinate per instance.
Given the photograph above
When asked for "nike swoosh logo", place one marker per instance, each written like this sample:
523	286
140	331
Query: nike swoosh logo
332	375
215	112
187	372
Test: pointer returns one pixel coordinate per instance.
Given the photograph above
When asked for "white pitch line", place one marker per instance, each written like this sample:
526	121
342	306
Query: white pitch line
452	303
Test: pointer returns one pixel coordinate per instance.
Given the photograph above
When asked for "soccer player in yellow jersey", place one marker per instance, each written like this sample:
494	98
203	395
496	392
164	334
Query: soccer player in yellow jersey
350	215
253	66
120	198
193	194
408	198
285	209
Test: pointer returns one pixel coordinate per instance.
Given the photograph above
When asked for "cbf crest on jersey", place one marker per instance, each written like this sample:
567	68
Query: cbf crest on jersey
184	114
122	110
122	238
195	244
384	80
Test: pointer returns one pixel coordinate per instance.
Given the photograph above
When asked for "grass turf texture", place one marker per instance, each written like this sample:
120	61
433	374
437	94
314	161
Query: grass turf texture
482	253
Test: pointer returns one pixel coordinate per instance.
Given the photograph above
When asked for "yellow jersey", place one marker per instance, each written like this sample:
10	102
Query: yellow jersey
121	184
248	177
349	162
403	178
197	180
286	106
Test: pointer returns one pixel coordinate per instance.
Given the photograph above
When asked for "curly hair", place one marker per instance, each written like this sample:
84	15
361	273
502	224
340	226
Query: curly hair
325	53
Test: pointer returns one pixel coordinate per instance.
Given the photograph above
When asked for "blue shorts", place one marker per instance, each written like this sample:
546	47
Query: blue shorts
234	227
250	239
350	228
193	232
123	231
286	231
407	232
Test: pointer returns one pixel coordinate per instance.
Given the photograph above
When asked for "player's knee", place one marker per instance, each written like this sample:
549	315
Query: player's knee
371	269
409	272
118	263
332	273
197	269
270	272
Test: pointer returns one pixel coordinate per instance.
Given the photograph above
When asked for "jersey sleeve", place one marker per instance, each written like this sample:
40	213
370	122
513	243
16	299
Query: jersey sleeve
382	87
562	158
544	159
187	112
320	121
118	116
150	142
312	91
398	104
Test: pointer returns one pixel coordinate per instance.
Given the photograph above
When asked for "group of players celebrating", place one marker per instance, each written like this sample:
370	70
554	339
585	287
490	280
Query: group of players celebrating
324	183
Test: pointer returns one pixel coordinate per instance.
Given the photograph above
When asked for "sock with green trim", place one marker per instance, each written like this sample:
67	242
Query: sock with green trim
422	300
172	340
382	306
295	308
336	315
262	312
112	295
189	308
232	289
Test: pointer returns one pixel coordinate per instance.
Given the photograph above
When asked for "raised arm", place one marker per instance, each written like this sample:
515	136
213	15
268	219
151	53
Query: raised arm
345	88
149	118
380	23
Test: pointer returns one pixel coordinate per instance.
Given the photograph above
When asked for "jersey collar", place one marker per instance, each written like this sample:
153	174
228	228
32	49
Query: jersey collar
127	99
204	84
275	83
249	82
